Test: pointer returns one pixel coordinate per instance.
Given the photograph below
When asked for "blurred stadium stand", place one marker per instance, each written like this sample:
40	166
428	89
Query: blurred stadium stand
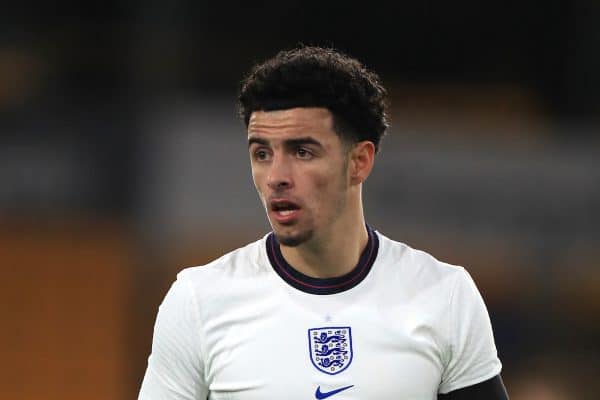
122	161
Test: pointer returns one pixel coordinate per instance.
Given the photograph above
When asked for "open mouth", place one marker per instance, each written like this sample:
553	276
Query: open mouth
283	207
285	211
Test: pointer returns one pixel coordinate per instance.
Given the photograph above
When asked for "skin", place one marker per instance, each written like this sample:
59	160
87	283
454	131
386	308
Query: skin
297	158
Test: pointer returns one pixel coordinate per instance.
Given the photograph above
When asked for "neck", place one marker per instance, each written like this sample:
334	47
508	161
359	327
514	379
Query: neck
333	253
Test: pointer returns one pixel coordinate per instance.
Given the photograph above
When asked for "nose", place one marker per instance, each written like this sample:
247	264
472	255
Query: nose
279	177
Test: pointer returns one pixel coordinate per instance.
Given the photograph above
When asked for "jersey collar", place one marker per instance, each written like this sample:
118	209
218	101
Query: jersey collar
321	286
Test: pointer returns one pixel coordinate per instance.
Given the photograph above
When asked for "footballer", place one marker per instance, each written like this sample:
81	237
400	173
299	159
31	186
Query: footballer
324	306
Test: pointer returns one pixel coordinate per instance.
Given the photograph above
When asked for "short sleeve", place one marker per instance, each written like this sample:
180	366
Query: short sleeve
472	356
175	369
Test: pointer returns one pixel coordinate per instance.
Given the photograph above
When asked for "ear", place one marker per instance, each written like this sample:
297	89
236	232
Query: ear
360	161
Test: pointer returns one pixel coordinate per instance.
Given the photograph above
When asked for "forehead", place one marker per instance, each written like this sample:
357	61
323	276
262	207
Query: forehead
290	122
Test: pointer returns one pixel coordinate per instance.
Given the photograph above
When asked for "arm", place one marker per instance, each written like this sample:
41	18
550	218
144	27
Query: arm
472	366
492	389
175	369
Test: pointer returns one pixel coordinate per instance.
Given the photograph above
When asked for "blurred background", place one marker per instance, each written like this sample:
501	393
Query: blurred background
122	161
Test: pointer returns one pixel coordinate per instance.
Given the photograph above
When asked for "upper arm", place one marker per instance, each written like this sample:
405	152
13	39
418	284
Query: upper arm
175	368
471	354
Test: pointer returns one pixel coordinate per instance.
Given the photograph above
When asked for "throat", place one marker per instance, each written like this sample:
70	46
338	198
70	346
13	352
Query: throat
321	280
327	259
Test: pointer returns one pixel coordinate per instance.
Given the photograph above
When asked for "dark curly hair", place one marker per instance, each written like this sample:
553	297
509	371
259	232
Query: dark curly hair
311	76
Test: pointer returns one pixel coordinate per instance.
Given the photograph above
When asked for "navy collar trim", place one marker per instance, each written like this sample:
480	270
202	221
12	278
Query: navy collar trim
322	286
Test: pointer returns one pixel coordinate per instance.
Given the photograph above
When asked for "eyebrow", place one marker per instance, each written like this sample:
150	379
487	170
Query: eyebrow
290	143
256	140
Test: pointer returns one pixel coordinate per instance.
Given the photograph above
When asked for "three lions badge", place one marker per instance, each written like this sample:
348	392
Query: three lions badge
330	348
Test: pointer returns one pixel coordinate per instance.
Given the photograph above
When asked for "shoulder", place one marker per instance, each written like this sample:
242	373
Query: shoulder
242	264
416	266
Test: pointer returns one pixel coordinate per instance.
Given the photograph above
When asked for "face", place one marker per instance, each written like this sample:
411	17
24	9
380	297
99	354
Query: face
299	167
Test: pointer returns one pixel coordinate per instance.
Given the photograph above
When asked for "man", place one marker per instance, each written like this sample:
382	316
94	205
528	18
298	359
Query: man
324	306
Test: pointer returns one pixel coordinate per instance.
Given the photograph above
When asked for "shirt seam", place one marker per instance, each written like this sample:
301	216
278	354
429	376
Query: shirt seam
451	341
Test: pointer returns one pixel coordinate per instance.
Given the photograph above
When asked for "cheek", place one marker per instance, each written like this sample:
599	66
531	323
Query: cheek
327	187
318	181
322	183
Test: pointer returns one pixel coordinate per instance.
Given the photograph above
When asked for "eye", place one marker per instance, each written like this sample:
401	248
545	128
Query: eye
261	155
303	153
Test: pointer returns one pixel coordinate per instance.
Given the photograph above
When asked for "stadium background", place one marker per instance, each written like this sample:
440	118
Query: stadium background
122	161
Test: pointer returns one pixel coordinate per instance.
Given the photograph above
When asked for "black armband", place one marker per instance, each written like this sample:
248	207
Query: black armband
492	389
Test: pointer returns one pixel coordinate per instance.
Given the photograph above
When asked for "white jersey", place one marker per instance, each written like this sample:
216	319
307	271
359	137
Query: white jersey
247	326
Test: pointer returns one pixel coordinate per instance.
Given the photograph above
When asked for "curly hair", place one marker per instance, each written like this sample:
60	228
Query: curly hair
312	76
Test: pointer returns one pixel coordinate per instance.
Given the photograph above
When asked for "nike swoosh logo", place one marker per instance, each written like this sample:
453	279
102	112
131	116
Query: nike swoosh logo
323	395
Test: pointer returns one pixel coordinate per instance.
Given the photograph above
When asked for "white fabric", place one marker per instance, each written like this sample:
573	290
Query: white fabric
233	329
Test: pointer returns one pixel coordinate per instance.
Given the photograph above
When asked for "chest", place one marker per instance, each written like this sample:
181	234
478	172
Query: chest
294	351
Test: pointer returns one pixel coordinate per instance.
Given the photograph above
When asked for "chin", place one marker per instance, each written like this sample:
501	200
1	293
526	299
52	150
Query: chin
293	240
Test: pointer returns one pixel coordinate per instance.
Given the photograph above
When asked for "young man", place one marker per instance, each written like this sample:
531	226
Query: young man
324	306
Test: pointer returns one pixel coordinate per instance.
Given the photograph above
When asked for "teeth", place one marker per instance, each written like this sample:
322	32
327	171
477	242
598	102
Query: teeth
285	212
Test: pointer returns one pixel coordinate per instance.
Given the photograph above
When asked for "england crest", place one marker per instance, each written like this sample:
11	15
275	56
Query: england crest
330	348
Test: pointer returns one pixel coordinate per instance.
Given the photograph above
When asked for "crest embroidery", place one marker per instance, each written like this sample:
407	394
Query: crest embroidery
330	348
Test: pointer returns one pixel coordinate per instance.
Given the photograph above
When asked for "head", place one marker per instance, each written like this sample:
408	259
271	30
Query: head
319	77
315	119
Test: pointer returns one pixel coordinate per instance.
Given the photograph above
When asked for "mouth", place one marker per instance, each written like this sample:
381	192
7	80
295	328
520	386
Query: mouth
284	211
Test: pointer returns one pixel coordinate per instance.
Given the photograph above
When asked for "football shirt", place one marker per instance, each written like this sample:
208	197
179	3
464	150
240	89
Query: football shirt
247	326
